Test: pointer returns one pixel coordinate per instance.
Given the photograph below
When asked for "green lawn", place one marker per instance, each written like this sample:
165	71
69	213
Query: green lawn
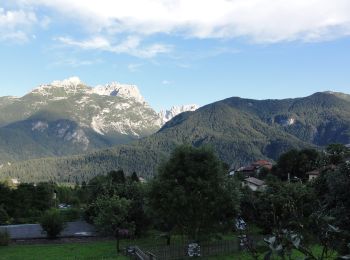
96	250
93	250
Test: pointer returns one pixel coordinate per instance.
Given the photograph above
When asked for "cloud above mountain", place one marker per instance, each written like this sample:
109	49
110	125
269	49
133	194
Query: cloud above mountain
16	24
131	45
261	21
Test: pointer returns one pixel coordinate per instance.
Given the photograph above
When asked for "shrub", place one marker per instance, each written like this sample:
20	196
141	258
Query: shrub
4	217
4	238
71	214
52	223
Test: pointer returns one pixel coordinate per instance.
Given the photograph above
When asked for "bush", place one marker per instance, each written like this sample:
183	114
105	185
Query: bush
52	223
4	238
71	214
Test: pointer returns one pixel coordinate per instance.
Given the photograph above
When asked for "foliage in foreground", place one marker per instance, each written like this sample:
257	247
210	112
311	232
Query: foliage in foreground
193	195
52	223
111	217
4	238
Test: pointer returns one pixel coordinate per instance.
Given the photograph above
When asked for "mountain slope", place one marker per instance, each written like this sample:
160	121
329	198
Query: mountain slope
320	119
240	131
67	117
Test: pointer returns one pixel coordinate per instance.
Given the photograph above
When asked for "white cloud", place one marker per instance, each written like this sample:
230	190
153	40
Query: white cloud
131	45
93	43
14	19
15	25
259	20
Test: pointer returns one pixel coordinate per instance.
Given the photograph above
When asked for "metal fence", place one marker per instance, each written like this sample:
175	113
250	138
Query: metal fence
180	251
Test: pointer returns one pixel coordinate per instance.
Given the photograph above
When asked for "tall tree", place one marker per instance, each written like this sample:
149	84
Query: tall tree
112	213
296	163
193	194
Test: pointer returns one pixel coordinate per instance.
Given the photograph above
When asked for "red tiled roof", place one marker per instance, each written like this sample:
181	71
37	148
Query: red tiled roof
261	163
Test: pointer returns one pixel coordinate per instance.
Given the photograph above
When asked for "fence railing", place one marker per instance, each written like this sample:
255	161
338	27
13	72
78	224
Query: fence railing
136	253
180	251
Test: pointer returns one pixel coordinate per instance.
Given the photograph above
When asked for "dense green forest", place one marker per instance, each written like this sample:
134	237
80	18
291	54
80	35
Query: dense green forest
239	130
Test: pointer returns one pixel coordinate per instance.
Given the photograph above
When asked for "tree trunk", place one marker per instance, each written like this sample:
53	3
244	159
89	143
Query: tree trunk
168	240
116	234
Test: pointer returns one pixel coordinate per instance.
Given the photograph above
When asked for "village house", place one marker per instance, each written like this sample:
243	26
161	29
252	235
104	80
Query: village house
254	184
313	174
142	180
252	169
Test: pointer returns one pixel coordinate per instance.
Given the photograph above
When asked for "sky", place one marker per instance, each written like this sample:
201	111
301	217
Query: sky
178	51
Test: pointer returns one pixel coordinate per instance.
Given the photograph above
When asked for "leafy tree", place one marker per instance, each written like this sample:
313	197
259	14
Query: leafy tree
249	204
43	196
112	213
82	192
296	163
6	196
193	194
134	177
52	223
117	176
115	184
4	217
337	153
284	206
332	189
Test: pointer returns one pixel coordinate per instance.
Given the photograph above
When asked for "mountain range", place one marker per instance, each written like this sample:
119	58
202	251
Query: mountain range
68	117
239	130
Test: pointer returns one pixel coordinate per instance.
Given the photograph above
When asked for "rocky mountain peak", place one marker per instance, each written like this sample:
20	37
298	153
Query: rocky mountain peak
121	90
70	82
69	86
167	115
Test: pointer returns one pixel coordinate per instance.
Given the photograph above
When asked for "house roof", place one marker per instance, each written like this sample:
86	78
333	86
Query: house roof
314	172
142	180
261	163
254	181
248	169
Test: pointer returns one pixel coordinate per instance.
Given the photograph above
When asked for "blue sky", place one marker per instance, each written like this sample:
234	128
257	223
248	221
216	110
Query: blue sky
178	51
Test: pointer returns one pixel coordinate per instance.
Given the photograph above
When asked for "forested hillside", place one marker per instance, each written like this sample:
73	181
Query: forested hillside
239	130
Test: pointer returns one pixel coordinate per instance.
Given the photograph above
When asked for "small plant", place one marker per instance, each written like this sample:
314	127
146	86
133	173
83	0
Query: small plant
52	223
4	238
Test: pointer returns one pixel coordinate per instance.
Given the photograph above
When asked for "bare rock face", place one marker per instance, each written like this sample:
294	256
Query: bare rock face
111	109
167	115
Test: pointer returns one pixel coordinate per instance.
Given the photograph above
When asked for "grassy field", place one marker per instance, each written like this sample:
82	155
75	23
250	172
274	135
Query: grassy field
93	250
96	250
